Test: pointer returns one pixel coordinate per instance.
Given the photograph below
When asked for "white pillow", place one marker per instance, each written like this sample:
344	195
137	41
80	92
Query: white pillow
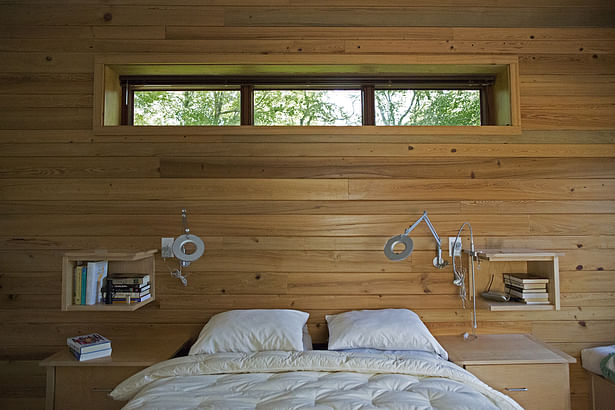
387	329
252	331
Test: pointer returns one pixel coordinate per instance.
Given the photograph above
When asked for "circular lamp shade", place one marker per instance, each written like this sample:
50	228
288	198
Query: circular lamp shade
182	241
389	248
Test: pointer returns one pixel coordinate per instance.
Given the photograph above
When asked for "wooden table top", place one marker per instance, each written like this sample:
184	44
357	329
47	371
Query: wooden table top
501	349
126	352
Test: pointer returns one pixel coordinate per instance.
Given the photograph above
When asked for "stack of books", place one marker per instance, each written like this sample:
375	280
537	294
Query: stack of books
131	288
528	289
88	279
87	347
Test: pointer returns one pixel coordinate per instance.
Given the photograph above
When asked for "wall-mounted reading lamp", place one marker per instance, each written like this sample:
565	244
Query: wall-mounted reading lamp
187	248
404	239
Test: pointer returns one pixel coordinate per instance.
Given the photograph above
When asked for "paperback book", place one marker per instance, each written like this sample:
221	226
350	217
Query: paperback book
91	355
129	279
88	343
96	274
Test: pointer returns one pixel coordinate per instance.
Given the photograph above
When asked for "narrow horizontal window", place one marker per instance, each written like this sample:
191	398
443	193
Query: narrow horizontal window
188	107
307	107
310	101
428	107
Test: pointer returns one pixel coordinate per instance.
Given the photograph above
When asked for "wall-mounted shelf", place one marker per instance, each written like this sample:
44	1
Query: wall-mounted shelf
496	262
119	263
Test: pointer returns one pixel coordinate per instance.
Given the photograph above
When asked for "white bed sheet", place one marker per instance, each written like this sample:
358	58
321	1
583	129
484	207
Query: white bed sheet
591	357
312	379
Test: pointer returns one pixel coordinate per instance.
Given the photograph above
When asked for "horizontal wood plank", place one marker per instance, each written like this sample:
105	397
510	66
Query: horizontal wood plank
315	207
385	167
310	150
139	188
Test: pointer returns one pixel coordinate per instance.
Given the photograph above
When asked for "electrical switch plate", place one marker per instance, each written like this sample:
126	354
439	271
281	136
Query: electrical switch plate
167	247
451	243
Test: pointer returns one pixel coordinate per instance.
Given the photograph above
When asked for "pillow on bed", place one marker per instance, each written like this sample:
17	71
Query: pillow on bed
252	331
387	329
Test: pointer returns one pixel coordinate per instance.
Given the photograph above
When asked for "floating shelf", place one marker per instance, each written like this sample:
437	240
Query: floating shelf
119	263
497	262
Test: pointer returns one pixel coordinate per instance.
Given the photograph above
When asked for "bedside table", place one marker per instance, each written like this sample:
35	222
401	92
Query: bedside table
520	366
72	384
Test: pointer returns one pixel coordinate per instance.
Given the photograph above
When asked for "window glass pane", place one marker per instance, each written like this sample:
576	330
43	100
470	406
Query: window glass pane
307	107
427	107
186	107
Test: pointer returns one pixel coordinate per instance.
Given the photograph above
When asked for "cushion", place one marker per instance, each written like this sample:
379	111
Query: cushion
252	331
386	329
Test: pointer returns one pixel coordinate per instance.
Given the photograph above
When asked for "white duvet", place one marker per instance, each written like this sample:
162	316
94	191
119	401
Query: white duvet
307	380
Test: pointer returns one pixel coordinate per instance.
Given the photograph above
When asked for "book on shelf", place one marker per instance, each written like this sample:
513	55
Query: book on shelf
92	342
127	288
119	295
133	295
129	279
534	302
526	290
526	286
96	274
91	355
524	278
77	278
84	282
529	296
128	300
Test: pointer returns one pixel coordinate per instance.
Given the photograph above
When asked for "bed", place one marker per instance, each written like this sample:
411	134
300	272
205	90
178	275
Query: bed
233	365
600	361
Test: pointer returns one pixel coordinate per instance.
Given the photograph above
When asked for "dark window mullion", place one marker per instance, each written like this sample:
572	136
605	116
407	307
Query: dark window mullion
247	104
368	105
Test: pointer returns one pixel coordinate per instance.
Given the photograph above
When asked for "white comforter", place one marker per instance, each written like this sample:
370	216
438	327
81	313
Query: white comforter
312	379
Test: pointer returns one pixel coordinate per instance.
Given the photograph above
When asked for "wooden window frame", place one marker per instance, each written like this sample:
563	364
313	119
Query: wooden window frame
502	99
247	85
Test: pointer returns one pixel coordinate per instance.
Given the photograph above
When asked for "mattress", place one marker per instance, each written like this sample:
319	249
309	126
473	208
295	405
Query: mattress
591	358
311	379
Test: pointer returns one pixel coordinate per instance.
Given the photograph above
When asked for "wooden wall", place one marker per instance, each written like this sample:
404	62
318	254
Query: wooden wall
298	218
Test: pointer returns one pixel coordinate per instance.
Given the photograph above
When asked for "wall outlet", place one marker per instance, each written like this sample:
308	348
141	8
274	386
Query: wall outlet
451	243
166	249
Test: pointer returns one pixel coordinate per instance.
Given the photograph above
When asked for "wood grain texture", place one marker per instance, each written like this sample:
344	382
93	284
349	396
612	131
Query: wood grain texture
297	217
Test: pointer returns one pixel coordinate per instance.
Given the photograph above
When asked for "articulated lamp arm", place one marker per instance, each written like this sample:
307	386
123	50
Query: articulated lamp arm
390	253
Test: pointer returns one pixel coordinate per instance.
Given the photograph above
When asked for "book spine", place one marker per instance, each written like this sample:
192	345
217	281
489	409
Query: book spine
84	281
77	285
129	294
529	295
130	281
129	300
129	288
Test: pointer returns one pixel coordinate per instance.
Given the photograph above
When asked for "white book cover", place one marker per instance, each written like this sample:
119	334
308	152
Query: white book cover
97	272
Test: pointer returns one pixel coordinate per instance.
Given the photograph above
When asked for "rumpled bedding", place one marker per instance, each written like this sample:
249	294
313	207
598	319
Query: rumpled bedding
310	379
607	365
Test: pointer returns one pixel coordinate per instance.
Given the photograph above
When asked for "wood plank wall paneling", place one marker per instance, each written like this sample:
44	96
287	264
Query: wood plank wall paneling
309	209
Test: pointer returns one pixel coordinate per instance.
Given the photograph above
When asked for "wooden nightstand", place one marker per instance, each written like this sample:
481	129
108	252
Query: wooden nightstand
531	372
72	384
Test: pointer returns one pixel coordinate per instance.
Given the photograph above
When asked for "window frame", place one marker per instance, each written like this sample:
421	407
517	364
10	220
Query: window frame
246	85
108	68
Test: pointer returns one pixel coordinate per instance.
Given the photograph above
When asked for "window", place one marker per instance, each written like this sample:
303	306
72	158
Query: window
428	107
307	107
187	107
480	93
307	101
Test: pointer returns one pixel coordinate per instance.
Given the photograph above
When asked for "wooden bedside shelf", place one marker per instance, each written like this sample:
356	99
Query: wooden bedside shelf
72	384
531	372
497	262
119	263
